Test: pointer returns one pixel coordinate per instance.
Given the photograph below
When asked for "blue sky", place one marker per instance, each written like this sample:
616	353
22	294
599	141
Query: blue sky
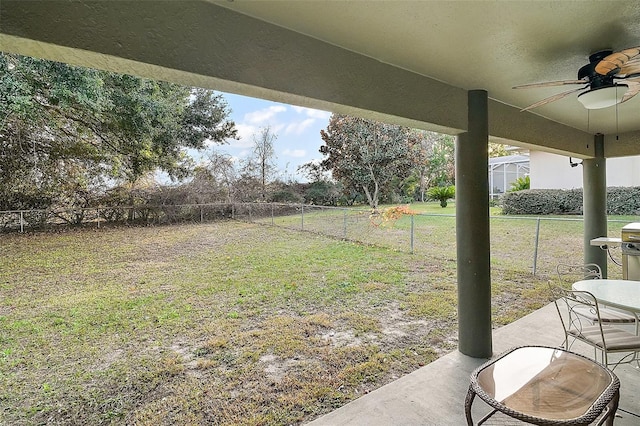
297	129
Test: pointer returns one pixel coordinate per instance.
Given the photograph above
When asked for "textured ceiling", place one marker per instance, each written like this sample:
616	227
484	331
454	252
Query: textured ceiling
478	44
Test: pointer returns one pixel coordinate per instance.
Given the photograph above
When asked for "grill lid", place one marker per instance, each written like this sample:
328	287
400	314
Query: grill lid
631	232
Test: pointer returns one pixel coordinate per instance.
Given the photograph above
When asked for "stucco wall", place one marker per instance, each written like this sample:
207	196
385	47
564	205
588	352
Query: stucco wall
553	171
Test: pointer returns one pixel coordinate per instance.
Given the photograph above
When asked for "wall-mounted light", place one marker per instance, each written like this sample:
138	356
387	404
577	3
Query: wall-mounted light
572	163
603	97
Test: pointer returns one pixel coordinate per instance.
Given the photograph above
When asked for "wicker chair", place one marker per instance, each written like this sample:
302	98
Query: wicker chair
569	274
571	306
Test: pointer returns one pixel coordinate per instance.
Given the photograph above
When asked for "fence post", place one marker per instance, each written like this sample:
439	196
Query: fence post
21	222
302	216
412	224
250	212
233	211
98	217
535	250
201	214
344	224
271	214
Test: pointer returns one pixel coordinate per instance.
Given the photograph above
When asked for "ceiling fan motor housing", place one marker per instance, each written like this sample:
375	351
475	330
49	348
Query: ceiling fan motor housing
595	80
594	58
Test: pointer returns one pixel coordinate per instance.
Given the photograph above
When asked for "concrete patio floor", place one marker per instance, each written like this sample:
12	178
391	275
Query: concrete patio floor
434	394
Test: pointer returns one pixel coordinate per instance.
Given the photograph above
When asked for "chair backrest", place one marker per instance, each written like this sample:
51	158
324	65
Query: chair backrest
575	308
573	273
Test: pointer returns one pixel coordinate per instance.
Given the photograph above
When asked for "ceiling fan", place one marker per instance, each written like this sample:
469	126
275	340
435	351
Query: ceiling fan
608	79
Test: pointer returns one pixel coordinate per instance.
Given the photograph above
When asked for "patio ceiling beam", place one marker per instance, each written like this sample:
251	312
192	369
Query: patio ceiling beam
621	145
199	43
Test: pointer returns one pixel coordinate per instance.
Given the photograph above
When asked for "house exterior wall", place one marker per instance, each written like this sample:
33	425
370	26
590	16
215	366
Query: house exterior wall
552	171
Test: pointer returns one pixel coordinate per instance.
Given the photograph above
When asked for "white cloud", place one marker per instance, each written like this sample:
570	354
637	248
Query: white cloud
277	128
297	128
264	115
254	122
245	132
313	113
297	153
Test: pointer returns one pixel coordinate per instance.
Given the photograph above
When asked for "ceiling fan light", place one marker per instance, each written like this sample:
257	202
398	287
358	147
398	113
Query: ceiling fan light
603	97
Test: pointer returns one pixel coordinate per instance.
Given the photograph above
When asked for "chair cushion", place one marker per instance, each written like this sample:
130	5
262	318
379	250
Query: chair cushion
616	339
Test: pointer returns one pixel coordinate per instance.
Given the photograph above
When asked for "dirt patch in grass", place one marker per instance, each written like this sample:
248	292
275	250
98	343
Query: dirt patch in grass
226	323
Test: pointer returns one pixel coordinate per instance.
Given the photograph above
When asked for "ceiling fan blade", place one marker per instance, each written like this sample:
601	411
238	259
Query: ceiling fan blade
551	84
613	63
553	98
634	89
631	68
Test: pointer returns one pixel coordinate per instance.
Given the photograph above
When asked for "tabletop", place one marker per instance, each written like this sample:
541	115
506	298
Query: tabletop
548	384
624	294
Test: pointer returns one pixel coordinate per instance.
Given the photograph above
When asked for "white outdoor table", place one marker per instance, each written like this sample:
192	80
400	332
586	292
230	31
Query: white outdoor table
623	294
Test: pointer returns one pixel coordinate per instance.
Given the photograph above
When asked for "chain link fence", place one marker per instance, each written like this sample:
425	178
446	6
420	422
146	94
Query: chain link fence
519	244
522	245
26	220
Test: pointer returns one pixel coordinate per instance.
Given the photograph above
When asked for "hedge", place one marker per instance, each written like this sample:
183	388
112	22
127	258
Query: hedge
620	201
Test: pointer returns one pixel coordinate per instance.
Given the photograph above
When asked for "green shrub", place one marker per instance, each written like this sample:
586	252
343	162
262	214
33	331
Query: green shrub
322	193
620	201
623	201
442	194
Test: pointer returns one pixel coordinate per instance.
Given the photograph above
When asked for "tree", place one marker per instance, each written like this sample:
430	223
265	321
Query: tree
65	129
286	191
324	193
365	154
497	150
313	171
321	190
261	164
433	157
442	194
214	179
247	189
223	169
38	150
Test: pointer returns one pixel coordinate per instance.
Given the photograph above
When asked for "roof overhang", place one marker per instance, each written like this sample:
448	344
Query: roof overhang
404	62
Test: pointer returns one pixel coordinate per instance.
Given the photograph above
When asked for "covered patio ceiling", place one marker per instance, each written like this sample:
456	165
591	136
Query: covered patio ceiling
409	62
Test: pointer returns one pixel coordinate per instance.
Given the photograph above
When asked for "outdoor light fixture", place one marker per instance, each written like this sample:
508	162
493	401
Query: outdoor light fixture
573	163
603	97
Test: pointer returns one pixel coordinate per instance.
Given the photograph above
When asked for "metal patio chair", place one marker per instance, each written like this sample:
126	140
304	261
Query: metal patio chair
571	306
568	274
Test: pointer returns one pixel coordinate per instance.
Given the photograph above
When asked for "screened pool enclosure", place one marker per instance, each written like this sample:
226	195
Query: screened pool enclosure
503	171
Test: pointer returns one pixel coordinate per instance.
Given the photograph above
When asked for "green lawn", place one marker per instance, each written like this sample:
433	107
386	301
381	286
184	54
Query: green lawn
513	238
231	322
